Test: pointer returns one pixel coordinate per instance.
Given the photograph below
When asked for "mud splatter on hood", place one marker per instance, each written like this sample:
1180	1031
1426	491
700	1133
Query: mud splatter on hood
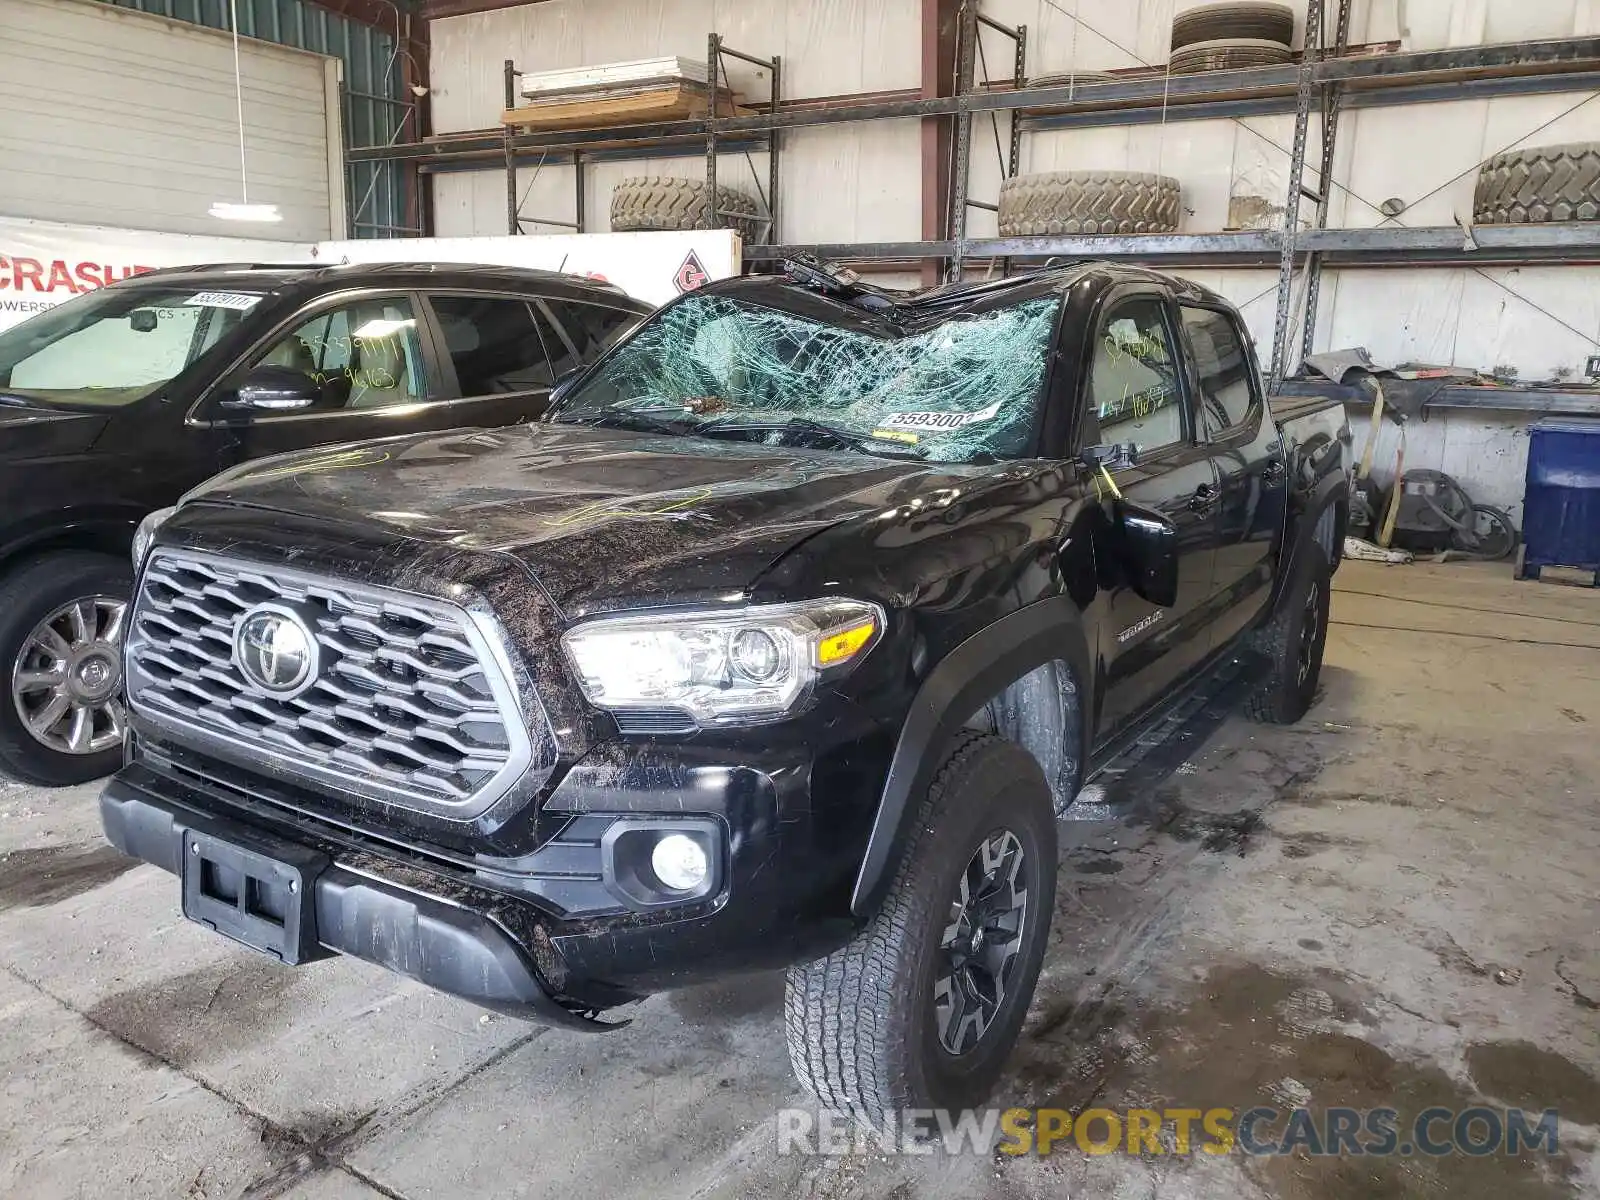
602	517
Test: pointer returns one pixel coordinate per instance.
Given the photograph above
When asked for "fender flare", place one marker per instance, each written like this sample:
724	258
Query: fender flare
957	687
1330	490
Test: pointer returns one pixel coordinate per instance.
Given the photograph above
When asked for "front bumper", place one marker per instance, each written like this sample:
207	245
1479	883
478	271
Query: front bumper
554	948
423	937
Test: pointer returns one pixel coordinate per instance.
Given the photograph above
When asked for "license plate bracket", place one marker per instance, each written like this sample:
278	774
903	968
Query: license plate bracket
261	894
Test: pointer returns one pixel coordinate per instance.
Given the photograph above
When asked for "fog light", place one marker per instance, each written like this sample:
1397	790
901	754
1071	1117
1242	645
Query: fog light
679	862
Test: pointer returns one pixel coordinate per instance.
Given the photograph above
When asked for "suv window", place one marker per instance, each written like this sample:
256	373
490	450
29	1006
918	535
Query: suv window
117	345
1227	388
1134	394
493	343
362	355
592	327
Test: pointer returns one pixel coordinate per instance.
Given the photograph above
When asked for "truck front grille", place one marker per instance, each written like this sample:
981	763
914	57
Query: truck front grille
409	699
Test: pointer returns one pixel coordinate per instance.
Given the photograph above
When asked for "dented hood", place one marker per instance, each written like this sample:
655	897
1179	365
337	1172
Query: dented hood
603	518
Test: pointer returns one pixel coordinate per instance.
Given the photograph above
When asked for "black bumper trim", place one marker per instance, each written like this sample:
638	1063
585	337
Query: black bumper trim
422	937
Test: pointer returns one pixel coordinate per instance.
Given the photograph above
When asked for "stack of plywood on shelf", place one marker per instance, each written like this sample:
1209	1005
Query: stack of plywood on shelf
632	93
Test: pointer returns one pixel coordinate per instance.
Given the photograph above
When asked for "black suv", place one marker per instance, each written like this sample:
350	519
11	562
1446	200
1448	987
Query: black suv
783	642
119	401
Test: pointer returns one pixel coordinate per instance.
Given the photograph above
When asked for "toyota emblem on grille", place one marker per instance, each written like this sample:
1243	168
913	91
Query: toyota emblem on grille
276	651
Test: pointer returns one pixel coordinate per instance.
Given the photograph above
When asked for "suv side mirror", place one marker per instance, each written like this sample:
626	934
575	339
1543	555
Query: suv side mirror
1147	547
274	389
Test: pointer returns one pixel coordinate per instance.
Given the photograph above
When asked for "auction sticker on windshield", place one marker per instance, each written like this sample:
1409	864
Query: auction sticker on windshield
938	422
234	300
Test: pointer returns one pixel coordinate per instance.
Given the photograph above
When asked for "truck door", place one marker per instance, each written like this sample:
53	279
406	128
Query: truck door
1136	392
1246	448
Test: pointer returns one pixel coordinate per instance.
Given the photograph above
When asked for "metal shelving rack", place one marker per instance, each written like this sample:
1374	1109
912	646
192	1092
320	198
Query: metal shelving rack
517	148
1328	81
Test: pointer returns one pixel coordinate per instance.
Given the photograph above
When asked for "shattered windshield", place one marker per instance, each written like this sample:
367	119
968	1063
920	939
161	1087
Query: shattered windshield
964	390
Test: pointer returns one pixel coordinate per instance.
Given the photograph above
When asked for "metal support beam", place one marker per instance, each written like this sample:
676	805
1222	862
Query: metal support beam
508	134
961	159
1560	65
1331	95
713	73
774	138
939	27
1291	207
1019	81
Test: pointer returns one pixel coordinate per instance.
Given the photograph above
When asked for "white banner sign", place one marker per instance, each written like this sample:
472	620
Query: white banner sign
43	264
653	267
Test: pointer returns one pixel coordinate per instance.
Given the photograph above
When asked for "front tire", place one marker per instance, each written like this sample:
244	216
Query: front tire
922	1008
1293	643
61	715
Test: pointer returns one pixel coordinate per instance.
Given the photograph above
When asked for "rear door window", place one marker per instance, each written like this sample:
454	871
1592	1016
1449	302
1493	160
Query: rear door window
494	343
1227	384
592	327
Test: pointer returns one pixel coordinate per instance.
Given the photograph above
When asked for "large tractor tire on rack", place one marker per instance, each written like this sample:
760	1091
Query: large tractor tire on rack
1214	22
1066	78
1228	54
1538	185
655	202
1070	202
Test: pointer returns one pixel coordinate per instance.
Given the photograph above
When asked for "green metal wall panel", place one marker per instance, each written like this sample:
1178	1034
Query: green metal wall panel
374	103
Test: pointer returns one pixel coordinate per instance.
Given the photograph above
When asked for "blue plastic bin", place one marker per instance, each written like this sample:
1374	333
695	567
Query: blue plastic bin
1561	509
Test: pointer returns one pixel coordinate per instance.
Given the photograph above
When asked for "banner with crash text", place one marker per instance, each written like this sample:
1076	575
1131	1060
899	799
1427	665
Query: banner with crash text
44	264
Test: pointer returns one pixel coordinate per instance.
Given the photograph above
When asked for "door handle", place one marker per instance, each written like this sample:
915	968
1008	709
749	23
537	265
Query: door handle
1273	473
1205	497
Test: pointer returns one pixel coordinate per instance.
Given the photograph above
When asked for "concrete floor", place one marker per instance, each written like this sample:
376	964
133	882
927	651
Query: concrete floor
1395	902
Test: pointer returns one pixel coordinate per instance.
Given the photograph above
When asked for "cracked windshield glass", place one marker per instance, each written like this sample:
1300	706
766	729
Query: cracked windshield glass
964	390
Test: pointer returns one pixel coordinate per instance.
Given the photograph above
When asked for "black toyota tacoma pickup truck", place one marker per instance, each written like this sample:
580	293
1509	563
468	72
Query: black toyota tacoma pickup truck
783	642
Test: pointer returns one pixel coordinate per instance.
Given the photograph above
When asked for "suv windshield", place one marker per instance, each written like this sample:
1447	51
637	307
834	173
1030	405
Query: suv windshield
114	346
966	389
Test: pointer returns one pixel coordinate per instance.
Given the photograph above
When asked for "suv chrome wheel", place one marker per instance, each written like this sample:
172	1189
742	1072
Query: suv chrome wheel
978	951
67	679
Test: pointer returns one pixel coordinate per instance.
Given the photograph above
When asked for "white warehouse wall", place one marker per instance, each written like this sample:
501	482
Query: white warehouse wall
861	182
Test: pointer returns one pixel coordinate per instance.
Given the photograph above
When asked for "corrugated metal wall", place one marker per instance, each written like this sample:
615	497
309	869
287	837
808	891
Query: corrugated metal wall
374	100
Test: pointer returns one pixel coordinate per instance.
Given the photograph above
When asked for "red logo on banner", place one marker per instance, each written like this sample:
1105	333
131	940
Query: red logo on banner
691	275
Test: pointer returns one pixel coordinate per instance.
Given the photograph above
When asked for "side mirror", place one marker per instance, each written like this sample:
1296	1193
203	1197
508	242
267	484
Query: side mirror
274	389
563	385
1147	548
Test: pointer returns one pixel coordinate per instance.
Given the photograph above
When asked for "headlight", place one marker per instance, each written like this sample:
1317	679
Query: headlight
146	533
721	668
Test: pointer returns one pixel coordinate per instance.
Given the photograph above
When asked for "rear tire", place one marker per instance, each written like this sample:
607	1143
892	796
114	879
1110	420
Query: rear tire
1293	643
90	666
923	1007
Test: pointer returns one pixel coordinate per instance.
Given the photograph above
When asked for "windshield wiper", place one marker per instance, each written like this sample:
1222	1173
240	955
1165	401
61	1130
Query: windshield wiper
642	422
847	438
12	400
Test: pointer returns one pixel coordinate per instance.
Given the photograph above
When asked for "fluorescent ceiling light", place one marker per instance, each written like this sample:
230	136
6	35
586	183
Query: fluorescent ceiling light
227	211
